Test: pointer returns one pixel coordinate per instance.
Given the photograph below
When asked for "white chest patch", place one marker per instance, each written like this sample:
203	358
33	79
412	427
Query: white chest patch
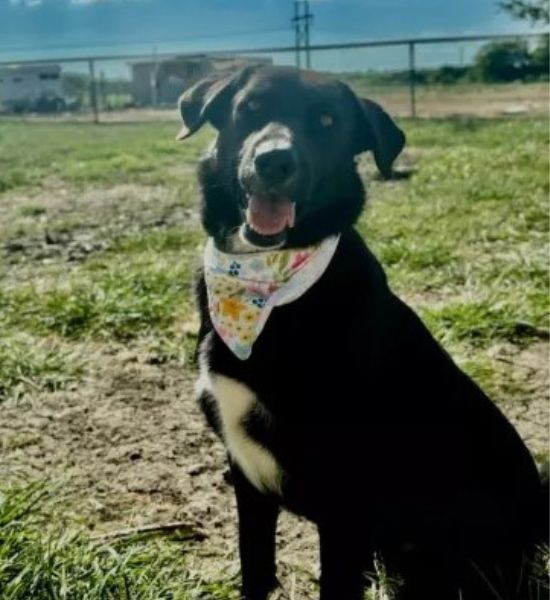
235	401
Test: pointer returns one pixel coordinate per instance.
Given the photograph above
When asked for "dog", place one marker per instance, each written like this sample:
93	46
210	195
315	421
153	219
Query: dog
332	398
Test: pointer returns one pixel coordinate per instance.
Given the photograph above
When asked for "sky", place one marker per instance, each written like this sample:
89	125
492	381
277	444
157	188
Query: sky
55	28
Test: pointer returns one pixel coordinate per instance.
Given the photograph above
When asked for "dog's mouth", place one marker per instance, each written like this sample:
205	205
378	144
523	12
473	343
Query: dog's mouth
267	219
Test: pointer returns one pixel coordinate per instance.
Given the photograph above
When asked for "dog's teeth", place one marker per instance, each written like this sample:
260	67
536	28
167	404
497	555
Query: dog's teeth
292	216
248	216
249	221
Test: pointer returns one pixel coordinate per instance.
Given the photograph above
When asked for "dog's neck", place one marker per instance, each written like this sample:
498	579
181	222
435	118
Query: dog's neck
236	243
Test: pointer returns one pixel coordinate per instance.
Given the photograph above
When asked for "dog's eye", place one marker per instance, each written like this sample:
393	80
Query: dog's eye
253	105
326	120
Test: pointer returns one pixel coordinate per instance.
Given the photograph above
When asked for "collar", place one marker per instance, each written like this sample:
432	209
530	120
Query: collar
243	289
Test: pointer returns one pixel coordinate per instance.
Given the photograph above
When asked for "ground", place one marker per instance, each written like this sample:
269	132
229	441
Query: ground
99	239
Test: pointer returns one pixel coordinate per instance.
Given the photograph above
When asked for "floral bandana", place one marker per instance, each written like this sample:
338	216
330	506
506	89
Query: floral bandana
243	289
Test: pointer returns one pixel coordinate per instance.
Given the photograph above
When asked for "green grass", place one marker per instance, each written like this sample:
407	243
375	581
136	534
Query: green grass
29	365
117	303
140	288
45	556
84	153
42	557
466	238
32	210
480	323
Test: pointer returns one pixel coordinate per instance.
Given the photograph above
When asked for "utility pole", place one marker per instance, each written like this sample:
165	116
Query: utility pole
301	21
296	21
308	17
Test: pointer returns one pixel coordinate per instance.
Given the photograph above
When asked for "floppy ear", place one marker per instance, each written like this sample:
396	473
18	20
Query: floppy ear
207	100
379	133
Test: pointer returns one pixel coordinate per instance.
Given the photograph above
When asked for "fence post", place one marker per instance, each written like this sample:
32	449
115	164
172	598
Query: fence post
412	78
93	91
103	90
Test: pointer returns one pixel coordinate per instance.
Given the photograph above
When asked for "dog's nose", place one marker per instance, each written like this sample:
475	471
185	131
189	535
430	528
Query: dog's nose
276	165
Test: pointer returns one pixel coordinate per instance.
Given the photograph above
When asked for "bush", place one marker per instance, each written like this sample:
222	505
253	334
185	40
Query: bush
512	61
503	61
540	63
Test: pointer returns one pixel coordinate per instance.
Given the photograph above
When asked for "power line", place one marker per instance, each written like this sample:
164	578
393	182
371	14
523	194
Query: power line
301	21
141	43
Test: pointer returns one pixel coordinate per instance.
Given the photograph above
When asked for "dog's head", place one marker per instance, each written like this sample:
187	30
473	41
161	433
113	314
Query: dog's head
282	170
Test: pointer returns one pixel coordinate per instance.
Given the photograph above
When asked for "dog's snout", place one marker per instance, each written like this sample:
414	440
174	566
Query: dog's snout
276	165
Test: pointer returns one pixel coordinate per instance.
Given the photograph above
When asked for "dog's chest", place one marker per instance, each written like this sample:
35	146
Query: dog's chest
236	403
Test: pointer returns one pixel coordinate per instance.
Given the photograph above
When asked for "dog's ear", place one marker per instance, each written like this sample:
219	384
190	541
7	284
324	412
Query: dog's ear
207	100
378	132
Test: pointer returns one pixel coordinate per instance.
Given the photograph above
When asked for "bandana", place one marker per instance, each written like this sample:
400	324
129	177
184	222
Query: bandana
243	289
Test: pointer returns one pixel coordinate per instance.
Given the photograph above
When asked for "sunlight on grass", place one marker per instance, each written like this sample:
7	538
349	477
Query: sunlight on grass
42	557
28	365
120	303
84	153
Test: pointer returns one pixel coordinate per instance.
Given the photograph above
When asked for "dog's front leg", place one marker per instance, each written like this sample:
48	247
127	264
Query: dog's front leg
257	525
343	561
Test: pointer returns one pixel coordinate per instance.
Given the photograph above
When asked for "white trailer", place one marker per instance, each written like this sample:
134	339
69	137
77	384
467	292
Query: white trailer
32	88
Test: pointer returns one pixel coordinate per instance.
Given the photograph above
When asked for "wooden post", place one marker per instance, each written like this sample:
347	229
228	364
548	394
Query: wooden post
93	91
412	78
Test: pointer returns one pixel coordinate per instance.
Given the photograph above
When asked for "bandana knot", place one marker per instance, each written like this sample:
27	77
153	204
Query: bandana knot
243	289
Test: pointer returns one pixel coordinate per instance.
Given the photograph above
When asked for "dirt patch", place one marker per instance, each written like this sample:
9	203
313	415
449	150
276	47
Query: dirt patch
132	448
530	414
60	223
435	101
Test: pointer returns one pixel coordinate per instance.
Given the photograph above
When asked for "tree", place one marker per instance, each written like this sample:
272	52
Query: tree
540	59
536	11
503	61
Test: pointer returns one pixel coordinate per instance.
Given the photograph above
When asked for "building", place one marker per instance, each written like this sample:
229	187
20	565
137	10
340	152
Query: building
161	82
31	88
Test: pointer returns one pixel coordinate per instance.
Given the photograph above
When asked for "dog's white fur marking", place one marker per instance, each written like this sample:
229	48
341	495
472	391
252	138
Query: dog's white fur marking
281	142
235	401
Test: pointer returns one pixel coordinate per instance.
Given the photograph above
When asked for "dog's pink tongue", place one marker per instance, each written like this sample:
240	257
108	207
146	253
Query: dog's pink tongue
270	215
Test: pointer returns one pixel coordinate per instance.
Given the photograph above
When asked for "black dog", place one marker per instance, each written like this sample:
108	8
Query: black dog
347	411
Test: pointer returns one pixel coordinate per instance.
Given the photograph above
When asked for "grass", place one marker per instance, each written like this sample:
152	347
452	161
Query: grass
86	154
32	210
40	558
465	240
118	303
29	365
124	293
45	557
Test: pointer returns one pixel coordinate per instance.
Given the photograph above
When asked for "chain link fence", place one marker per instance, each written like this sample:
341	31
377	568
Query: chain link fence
430	77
